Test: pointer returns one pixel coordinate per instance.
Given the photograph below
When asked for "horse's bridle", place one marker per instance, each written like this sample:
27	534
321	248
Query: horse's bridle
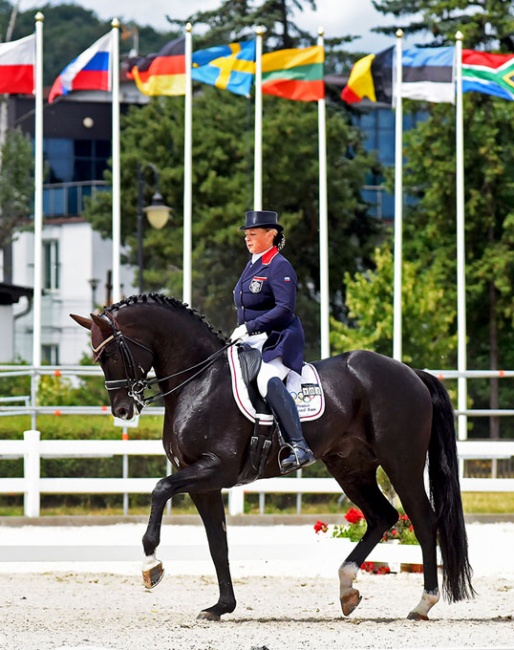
136	387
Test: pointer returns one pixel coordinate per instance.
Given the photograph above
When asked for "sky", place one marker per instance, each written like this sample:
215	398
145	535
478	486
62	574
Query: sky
337	17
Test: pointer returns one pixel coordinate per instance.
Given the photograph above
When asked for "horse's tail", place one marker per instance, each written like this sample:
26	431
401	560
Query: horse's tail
443	472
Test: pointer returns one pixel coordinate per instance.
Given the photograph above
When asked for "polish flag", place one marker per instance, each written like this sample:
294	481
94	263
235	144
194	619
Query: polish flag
17	62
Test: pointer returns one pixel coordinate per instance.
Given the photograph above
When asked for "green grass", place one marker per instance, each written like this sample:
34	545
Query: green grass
488	502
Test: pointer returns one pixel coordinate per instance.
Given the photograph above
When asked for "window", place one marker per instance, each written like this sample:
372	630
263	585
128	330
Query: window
50	354
51	266
72	161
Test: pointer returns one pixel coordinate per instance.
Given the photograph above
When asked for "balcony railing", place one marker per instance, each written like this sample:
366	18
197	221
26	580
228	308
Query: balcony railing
67	199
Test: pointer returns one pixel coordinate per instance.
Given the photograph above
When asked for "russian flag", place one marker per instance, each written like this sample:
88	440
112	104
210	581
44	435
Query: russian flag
17	61
91	70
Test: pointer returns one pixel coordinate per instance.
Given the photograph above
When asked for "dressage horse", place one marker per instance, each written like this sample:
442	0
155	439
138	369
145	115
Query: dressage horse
378	412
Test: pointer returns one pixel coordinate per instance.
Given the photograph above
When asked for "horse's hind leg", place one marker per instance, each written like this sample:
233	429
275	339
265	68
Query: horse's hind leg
414	499
362	488
212	511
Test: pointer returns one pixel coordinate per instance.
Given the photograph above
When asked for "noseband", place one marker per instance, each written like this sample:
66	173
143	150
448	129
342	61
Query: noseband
136	387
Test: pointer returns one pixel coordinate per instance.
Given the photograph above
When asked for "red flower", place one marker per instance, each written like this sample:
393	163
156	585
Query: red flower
353	516
368	566
320	527
384	568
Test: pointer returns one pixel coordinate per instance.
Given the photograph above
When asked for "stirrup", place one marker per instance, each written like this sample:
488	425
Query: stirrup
298	462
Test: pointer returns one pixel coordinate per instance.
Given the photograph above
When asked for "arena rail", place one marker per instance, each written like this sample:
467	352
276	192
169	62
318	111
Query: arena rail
32	449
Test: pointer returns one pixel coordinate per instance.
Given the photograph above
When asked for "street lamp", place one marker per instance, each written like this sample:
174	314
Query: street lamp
93	283
157	213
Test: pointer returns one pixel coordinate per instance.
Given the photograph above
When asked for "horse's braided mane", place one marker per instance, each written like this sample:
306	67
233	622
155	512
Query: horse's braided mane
167	301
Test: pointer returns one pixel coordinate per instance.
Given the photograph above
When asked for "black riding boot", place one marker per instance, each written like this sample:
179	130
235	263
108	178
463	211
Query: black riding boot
286	414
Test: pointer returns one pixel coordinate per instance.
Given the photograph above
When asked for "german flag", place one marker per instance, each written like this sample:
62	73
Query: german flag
371	77
163	73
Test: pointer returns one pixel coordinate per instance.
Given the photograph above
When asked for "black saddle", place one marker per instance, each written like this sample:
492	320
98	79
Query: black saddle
250	360
258	452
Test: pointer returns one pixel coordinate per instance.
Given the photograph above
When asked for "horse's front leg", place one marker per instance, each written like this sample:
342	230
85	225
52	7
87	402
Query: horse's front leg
202	481
212	511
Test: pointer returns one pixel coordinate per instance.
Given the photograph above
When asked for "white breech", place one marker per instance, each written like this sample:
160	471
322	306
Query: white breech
269	369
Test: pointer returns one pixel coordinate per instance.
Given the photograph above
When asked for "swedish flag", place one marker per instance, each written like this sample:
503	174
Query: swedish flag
231	67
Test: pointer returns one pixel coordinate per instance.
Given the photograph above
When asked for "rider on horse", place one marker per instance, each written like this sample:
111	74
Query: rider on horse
265	297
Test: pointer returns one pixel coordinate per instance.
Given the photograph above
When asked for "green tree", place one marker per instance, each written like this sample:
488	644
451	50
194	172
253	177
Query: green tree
489	209
15	183
489	199
234	20
70	29
427	329
483	22
223	190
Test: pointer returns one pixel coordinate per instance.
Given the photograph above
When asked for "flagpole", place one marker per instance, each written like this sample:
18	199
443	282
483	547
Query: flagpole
323	224
398	202
116	201
461	263
38	209
257	178
188	139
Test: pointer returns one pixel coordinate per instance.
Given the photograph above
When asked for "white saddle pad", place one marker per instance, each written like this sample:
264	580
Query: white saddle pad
306	391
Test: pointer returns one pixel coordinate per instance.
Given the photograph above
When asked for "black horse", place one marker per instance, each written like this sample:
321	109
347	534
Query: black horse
378	412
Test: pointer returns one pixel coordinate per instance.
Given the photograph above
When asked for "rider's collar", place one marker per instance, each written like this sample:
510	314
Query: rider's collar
269	255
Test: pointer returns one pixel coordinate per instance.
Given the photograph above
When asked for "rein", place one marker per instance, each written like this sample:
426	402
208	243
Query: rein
202	365
136	387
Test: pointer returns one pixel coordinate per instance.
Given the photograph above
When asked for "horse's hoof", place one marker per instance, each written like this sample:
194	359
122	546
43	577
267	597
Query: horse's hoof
416	616
349	601
153	574
205	615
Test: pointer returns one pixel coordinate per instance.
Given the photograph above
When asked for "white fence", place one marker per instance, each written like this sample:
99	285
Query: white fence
32	449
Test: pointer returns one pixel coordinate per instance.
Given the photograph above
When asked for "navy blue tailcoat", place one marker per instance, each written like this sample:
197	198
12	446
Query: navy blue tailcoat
265	297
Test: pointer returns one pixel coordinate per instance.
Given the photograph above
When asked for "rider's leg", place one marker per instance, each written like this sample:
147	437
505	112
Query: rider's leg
271	386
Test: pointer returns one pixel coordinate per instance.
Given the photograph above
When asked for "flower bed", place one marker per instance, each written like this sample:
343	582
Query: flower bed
398	551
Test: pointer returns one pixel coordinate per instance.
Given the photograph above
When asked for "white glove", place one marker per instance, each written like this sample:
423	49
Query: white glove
239	334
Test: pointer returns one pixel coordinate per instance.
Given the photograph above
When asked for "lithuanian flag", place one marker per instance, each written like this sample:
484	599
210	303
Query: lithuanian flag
163	73
294	73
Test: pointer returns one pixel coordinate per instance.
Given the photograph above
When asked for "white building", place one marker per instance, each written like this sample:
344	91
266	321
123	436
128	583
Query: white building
77	262
77	265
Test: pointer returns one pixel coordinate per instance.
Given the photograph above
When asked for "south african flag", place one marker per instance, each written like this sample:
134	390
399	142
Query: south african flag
492	74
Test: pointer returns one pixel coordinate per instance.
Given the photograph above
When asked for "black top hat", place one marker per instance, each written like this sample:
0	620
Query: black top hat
261	219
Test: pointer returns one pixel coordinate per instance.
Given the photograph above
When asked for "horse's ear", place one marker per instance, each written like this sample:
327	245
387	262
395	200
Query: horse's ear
104	325
84	322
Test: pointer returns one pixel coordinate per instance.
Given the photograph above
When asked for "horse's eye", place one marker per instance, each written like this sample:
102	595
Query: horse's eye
112	357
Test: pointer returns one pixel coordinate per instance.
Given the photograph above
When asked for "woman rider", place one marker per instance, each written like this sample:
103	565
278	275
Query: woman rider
265	298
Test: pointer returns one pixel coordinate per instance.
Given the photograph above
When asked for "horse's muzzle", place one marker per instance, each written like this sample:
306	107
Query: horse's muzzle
126	410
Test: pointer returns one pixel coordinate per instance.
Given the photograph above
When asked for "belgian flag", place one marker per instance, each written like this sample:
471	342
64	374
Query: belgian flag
371	77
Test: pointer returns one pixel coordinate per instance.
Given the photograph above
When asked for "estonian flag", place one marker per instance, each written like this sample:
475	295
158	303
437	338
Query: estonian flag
427	74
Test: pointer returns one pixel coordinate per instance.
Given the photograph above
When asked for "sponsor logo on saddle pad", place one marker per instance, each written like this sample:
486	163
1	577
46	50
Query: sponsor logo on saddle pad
305	390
